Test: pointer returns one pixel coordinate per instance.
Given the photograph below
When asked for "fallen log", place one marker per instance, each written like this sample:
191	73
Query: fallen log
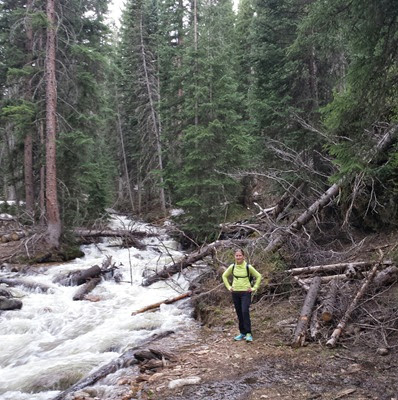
340	327
305	315
329	303
129	238
157	305
76	278
386	277
326	279
26	284
125	360
187	261
109	233
86	289
316	269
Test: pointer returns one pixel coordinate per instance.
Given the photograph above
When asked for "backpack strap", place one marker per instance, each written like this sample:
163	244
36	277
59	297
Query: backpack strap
240	277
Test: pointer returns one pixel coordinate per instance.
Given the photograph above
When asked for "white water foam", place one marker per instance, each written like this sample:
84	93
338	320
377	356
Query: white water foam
53	341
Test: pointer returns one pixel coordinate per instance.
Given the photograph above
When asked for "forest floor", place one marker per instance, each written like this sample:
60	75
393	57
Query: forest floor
268	368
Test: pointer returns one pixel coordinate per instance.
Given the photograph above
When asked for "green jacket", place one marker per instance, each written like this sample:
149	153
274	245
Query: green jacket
240	280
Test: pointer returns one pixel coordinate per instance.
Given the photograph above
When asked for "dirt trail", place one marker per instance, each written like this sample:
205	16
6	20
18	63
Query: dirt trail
264	370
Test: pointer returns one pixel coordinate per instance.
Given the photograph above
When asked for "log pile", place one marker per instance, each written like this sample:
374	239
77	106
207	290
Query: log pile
334	300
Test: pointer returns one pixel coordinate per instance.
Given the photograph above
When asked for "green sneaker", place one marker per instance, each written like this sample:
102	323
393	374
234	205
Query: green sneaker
239	337
249	337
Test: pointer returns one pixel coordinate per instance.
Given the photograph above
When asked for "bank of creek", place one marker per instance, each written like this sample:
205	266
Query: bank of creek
52	342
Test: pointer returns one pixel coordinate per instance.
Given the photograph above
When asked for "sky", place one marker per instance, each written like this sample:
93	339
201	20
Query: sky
115	10
116	6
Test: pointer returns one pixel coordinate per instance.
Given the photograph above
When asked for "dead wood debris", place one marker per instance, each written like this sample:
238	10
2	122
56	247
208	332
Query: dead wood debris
348	304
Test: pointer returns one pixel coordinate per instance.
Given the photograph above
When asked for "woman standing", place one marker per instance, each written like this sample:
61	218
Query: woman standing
242	289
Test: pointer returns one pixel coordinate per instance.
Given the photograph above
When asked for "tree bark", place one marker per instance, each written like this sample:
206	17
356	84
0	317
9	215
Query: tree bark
305	315
53	218
76	278
86	289
329	303
28	143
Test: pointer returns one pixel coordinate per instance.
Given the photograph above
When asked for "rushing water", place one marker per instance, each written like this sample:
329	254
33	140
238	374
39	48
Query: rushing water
53	341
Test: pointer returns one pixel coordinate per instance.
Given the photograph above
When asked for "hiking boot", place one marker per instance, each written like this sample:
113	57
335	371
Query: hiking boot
249	337
239	337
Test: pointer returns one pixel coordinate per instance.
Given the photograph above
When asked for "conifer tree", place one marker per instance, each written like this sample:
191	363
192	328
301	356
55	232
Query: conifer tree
213	140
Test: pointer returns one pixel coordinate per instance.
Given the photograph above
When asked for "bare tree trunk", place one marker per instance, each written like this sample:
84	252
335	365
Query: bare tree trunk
53	217
305	315
28	144
155	120
42	179
126	170
329	304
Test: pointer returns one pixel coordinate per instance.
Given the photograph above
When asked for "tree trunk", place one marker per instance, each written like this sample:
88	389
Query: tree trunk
329	303
86	288
305	315
332	267
53	218
340	327
42	196
172	269
76	278
28	144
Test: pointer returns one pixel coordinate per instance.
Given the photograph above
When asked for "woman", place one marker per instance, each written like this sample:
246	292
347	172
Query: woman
241	292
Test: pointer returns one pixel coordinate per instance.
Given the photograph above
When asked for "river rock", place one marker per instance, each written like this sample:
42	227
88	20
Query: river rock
192	380
10	304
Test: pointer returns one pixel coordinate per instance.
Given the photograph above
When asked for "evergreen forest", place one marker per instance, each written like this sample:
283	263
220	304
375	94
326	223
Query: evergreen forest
199	106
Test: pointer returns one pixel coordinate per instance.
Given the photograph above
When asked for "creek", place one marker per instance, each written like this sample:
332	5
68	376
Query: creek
53	341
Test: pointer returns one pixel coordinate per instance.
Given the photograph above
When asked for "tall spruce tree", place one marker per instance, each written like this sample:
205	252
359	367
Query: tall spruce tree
213	141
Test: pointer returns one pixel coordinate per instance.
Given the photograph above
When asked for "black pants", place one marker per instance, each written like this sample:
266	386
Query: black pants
242	301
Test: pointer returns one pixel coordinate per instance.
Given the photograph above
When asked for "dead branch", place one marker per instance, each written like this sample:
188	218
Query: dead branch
340	327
